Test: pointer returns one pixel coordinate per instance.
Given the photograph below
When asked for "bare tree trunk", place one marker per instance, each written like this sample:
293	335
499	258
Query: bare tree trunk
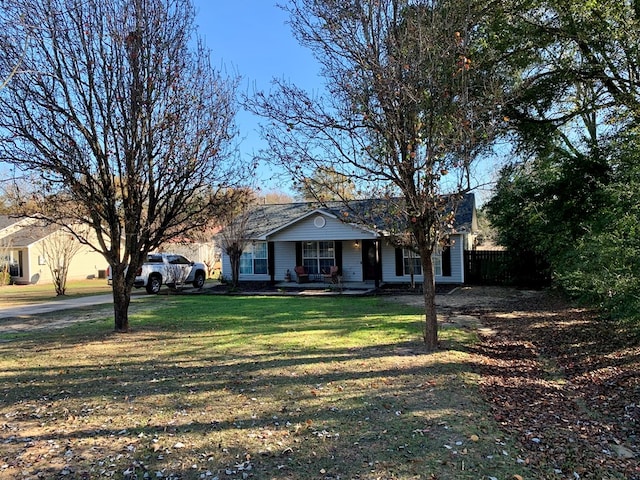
235	268
121	301
60	280
429	292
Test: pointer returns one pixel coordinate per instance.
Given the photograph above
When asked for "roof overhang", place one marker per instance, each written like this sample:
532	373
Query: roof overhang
318	211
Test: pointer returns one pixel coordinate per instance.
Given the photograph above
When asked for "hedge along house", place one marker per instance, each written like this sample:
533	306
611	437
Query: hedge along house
279	238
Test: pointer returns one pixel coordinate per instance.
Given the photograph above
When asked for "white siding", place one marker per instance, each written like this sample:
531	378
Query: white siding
333	229
457	264
457	261
226	272
351	261
285	259
312	229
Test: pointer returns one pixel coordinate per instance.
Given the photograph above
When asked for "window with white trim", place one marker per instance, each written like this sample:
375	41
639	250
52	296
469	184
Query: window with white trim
436	258
318	257
254	259
412	263
412	260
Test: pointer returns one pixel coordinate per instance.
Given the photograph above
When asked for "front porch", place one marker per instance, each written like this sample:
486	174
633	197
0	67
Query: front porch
319	285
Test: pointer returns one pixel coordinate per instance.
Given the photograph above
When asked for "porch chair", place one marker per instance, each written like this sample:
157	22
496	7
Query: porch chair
301	274
332	276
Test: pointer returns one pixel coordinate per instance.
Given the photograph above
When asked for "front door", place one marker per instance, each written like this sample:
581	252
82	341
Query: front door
370	260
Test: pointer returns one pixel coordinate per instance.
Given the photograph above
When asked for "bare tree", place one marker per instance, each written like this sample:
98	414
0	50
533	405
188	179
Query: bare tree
122	120
233	237
411	103
8	69
58	250
5	250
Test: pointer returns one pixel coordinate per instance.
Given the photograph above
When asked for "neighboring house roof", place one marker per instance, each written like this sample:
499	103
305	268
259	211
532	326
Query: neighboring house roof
265	220
29	234
6	221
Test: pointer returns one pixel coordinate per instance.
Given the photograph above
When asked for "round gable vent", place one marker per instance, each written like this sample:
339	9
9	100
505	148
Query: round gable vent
319	221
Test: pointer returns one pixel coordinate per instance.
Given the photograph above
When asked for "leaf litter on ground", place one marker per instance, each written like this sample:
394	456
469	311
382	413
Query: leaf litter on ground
566	383
322	395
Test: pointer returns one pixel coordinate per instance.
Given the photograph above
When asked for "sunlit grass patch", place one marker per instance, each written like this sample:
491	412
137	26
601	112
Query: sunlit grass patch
42	292
249	387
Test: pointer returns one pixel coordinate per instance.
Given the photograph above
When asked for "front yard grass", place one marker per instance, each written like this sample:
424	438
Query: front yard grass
11	295
224	387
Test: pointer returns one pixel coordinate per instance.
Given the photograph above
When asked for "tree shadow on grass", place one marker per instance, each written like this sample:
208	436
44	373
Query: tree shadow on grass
195	400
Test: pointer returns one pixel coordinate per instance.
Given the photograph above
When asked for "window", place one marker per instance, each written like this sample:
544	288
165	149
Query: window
178	260
260	258
412	263
437	262
318	257
254	259
412	259
154	258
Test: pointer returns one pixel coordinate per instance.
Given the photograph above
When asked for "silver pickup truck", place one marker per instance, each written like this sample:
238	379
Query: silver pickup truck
168	269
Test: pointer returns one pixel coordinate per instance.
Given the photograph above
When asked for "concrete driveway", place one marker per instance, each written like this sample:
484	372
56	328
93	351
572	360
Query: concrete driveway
62	304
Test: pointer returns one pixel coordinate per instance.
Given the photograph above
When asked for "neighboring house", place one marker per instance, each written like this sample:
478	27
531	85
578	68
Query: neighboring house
281	237
21	243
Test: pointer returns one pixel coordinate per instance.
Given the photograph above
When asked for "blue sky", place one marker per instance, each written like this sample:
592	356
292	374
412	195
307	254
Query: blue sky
251	38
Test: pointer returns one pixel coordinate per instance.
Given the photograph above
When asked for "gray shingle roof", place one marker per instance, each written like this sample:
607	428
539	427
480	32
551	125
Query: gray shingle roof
267	218
264	219
29	234
7	221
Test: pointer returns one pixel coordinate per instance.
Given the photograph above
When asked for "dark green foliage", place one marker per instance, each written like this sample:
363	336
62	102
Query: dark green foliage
574	101
603	267
583	215
543	205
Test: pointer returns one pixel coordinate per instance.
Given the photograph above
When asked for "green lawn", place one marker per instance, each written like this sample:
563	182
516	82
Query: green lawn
248	387
25	294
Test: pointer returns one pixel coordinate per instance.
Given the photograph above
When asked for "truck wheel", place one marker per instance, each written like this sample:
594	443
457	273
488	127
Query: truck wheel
154	284
198	280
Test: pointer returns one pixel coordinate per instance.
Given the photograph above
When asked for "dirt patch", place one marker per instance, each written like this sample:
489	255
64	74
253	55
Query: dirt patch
478	298
462	305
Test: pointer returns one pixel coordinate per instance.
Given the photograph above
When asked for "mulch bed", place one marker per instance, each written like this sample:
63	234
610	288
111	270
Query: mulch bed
385	289
566	384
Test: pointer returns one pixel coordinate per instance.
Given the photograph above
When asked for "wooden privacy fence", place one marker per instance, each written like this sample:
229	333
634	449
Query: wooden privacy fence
500	267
